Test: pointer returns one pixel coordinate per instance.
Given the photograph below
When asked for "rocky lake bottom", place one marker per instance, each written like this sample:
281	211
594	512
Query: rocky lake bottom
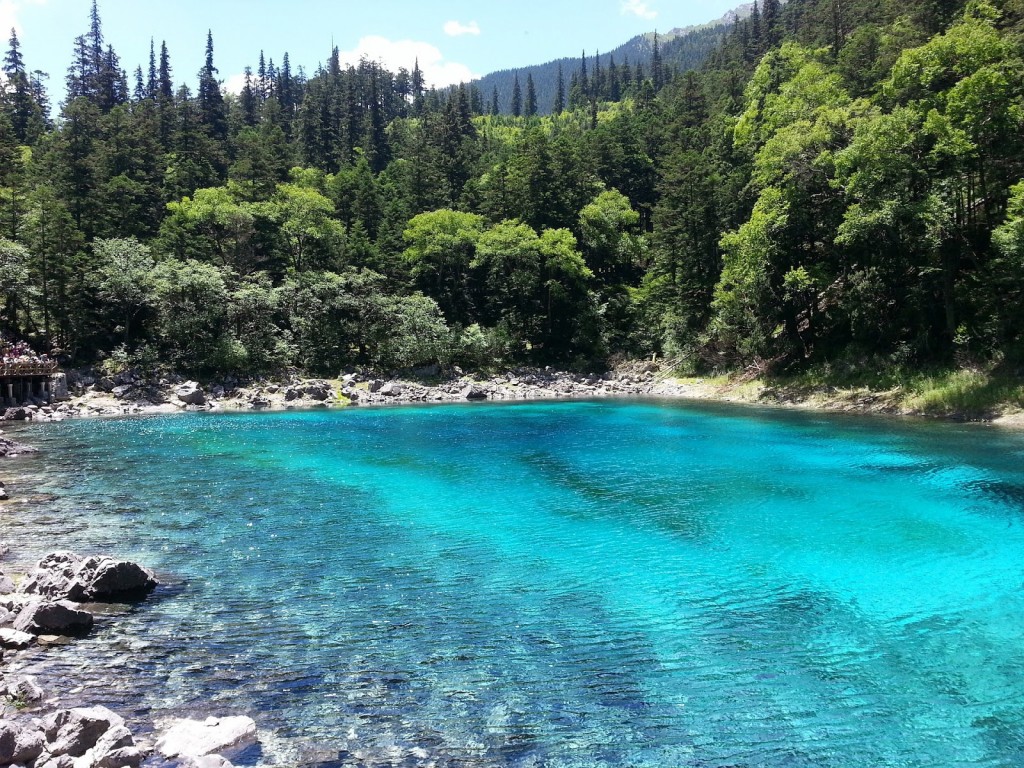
549	584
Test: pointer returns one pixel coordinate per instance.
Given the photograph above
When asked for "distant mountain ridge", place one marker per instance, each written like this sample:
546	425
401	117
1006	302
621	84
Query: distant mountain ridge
682	49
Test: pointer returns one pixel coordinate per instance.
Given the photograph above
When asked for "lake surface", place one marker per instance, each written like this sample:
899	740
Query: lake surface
569	584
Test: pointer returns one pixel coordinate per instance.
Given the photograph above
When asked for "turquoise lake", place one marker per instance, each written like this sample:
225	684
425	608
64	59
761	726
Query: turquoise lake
561	584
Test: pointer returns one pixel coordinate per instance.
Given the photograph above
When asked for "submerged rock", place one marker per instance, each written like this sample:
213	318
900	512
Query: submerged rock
12	448
205	761
67	576
194	738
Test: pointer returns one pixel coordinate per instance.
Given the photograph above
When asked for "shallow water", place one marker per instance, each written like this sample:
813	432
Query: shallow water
568	584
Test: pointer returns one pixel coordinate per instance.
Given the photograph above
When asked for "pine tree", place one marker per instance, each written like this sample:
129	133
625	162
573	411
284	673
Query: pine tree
754	48
152	81
559	104
212	110
139	93
531	96
260	89
517	97
495	108
770	23
657	70
249	100
614	88
417	88
26	116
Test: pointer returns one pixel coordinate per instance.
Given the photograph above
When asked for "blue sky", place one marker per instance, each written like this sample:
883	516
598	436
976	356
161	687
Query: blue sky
454	39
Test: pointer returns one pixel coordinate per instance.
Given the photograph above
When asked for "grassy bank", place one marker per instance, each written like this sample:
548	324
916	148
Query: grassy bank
960	393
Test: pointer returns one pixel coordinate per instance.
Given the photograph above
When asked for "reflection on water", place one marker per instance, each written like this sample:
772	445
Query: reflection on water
572	584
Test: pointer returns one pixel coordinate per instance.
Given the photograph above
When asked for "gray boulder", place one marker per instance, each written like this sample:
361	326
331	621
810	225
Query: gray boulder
122	391
24	689
15	414
194	738
12	638
5	549
317	390
114	749
67	576
20	742
6	584
392	389
63	617
191	393
75	731
47	761
474	392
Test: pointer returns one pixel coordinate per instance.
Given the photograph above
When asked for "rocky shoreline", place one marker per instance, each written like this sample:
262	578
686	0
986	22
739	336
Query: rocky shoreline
49	607
134	393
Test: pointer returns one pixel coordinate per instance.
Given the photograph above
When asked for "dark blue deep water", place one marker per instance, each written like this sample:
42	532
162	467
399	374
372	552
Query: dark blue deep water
575	584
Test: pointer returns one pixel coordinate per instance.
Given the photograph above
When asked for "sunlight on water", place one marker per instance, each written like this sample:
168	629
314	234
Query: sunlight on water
575	584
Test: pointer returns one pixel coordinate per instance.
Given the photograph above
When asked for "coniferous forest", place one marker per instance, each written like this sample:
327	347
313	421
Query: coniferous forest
839	182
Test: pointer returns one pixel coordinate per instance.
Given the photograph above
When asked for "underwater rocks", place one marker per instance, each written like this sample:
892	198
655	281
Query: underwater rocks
67	576
194	739
13	448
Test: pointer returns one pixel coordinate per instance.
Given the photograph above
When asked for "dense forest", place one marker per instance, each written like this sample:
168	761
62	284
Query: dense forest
841	181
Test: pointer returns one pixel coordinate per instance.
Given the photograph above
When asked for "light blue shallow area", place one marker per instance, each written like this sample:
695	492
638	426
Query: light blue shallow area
574	584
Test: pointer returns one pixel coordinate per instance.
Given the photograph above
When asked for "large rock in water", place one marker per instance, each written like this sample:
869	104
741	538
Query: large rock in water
12	448
39	617
67	576
192	738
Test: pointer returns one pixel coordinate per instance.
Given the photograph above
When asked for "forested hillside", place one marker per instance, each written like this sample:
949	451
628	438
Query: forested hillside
555	86
842	181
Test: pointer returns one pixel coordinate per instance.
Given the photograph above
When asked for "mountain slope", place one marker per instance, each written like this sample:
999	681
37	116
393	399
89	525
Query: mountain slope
681	49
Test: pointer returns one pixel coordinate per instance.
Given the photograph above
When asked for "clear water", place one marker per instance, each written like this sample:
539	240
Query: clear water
574	584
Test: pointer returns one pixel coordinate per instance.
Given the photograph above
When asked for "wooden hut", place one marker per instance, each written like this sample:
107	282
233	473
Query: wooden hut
21	381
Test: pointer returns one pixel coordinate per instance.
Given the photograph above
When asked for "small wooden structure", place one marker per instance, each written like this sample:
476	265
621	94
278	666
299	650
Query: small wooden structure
24	380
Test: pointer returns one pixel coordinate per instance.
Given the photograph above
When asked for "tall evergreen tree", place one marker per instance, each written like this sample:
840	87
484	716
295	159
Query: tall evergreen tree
212	110
517	97
559	104
530	106
26	116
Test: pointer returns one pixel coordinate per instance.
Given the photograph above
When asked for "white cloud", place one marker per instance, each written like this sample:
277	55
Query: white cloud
234	84
639	8
404	53
392	54
9	10
456	28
